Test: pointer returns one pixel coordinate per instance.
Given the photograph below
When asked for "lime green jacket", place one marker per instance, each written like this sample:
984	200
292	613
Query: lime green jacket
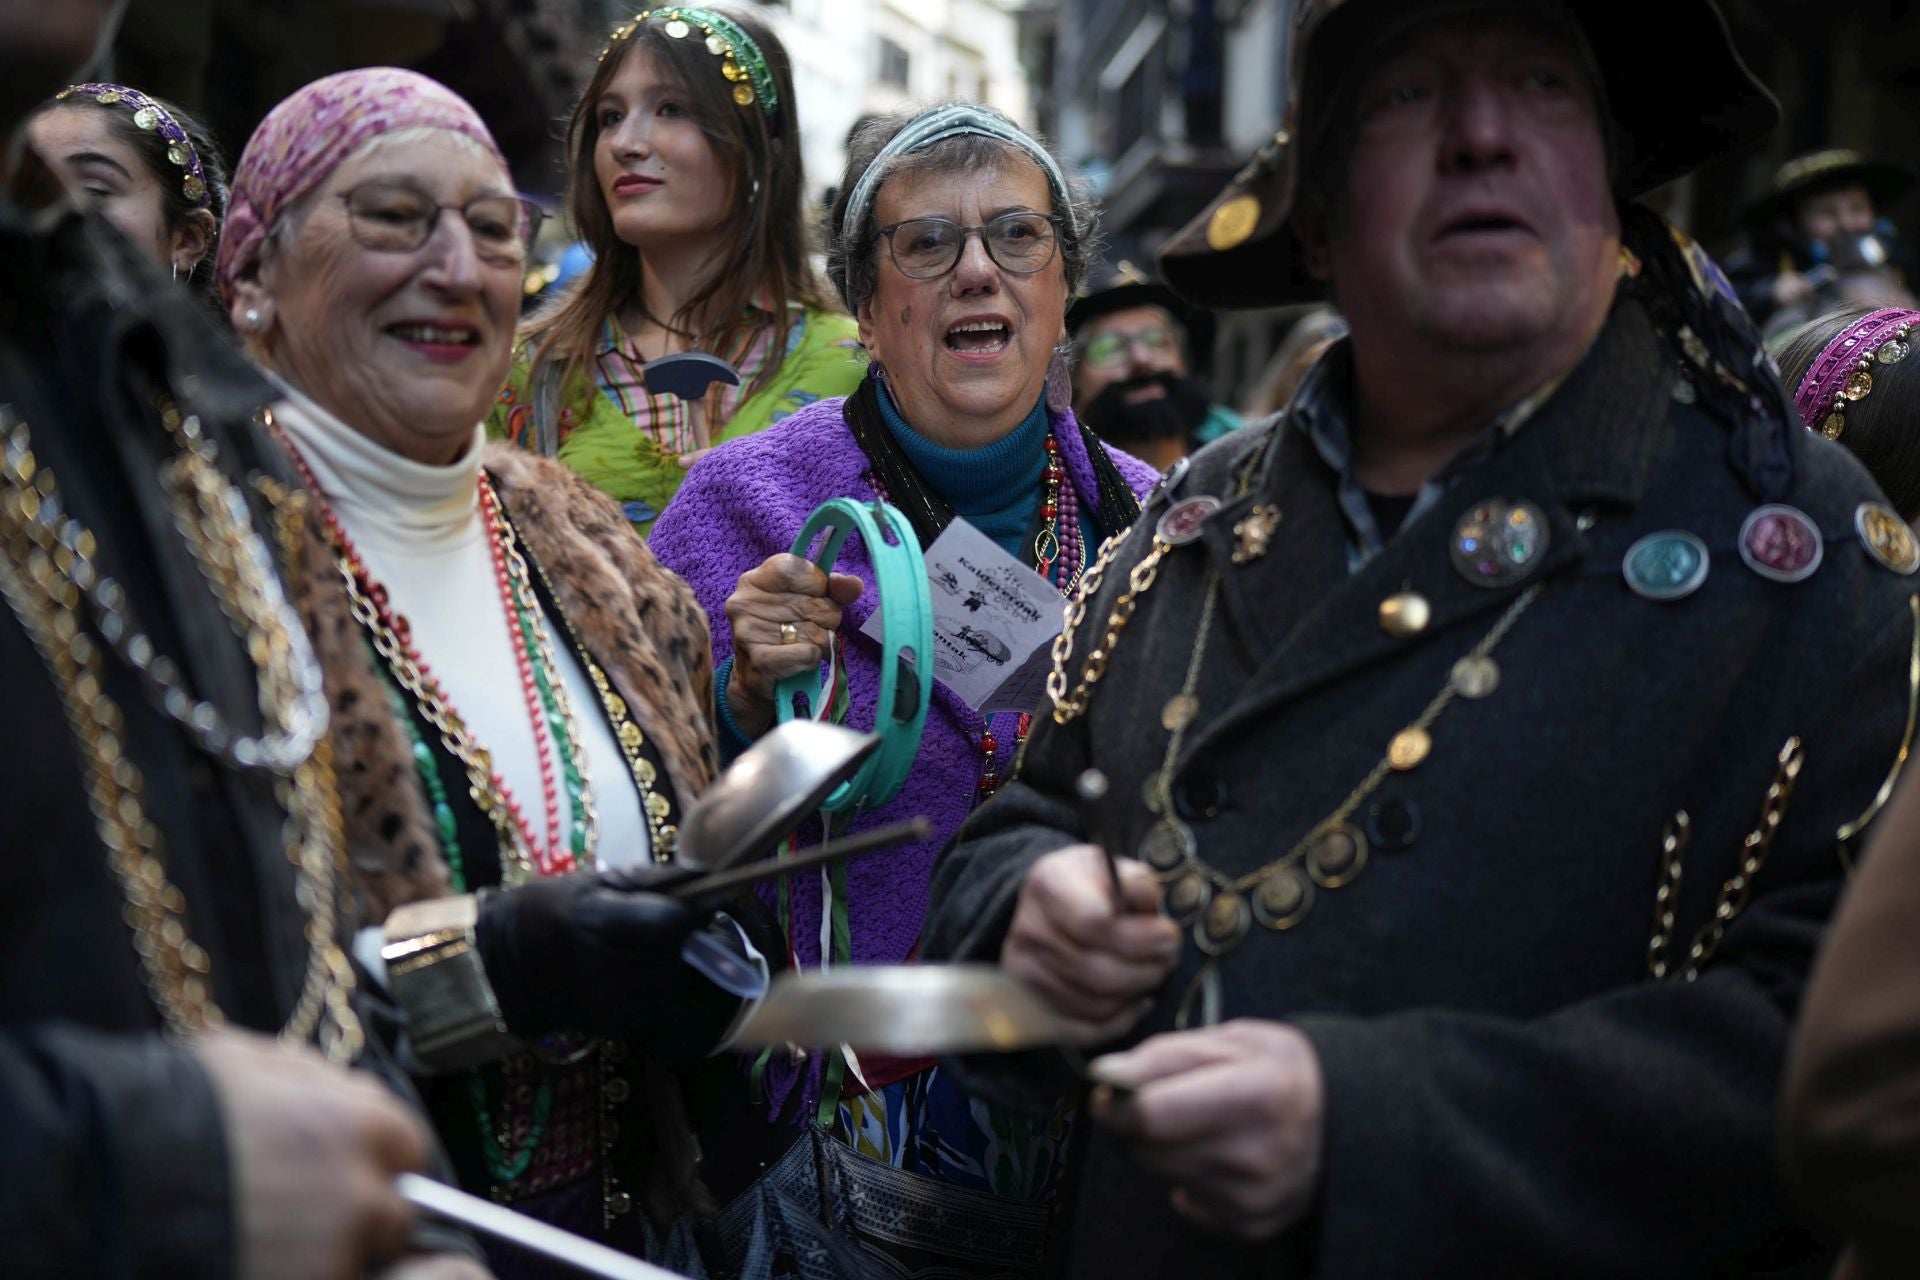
600	442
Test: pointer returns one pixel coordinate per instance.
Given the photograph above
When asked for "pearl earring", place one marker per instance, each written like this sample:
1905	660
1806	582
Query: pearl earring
253	318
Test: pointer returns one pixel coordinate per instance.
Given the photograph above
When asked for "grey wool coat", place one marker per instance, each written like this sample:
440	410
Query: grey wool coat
1510	1090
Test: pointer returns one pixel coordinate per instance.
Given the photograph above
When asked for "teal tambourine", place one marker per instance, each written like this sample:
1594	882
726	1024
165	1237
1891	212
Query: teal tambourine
906	659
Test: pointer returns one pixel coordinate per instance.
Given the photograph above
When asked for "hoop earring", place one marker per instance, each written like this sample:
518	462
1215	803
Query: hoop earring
176	270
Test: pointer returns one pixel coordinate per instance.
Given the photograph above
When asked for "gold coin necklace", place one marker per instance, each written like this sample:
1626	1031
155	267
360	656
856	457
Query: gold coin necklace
1221	909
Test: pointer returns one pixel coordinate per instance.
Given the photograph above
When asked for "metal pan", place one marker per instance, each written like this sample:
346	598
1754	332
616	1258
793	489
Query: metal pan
768	792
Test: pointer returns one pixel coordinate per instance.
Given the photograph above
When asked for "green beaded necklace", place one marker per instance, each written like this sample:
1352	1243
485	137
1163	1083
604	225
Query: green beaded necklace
559	724
500	1167
429	771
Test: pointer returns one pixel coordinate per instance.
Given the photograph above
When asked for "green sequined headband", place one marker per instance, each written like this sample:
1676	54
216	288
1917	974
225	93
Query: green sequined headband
740	59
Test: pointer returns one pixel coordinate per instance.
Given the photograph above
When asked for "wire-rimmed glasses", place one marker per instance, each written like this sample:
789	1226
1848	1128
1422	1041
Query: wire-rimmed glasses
395	218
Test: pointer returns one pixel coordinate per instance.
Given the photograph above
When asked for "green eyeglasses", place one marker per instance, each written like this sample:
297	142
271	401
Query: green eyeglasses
1113	347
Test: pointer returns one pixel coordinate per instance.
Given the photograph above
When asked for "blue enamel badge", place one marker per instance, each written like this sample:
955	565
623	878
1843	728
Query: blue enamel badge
1666	565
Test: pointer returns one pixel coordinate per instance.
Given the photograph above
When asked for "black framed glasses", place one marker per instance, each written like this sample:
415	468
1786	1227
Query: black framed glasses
393	218
1020	243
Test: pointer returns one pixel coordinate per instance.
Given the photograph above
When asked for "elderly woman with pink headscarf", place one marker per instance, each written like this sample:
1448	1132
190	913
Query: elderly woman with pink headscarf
522	696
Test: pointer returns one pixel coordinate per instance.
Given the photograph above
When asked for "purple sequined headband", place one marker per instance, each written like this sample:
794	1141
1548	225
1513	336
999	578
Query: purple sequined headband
150	115
1843	373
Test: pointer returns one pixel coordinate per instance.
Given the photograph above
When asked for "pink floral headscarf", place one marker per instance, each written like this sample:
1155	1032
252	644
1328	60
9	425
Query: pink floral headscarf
312	132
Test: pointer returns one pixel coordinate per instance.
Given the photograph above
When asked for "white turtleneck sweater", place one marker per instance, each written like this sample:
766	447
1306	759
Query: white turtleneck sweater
420	531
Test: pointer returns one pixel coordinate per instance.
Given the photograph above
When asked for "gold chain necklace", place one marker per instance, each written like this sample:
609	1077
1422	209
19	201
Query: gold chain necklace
45	576
248	592
664	835
1220	908
483	785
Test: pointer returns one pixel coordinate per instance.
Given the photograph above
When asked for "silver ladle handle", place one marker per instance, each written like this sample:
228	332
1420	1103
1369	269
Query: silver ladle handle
529	1233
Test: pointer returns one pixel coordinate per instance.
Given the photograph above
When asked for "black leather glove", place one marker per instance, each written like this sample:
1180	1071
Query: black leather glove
600	954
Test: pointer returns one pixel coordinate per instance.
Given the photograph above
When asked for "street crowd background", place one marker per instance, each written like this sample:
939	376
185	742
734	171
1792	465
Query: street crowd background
1155	103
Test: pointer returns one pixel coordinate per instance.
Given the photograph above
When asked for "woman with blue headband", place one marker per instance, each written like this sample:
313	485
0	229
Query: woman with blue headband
684	179
957	246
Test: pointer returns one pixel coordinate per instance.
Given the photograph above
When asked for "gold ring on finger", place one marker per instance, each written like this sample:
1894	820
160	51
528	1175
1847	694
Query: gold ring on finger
789	633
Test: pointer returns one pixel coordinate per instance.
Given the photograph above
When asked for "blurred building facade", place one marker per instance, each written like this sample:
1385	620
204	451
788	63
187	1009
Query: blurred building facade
856	57
1158	102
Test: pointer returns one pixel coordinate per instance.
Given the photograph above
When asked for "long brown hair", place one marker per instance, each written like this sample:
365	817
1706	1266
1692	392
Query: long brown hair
764	250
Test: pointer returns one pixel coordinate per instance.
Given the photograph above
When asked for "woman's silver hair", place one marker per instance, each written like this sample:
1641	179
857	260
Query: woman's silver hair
852	253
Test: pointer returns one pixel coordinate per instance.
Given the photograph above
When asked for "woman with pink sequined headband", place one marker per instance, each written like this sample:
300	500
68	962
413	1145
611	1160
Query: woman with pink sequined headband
151	170
1851	368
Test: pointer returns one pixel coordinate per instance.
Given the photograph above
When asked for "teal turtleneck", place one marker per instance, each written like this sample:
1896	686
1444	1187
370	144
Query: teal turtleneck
996	487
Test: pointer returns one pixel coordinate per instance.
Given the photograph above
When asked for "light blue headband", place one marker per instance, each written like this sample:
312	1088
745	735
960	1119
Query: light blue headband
937	125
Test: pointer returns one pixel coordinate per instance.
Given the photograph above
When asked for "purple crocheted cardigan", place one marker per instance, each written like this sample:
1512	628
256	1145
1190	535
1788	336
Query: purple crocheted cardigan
745	502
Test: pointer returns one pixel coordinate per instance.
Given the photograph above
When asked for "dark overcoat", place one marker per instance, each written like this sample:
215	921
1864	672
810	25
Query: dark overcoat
113	1152
1509	1089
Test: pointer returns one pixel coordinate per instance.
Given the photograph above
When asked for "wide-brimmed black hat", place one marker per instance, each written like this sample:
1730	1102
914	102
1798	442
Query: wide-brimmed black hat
1822	170
1675	87
1121	287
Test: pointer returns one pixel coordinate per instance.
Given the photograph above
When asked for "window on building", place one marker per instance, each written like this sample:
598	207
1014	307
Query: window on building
895	64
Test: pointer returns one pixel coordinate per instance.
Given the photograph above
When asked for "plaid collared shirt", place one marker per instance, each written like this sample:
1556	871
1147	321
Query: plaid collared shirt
1322	410
668	419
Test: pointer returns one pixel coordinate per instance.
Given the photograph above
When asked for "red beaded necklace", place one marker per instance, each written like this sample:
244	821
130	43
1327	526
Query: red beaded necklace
551	856
1057	553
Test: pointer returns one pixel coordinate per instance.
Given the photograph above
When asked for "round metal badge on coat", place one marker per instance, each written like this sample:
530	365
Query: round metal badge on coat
1498	543
1182	522
1667	565
1886	537
1781	542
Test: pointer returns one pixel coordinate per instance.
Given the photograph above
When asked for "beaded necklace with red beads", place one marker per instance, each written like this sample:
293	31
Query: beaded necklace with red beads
549	711
1058	552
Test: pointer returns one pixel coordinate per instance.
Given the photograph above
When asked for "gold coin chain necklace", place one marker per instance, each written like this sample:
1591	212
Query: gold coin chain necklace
549	709
46	575
1220	908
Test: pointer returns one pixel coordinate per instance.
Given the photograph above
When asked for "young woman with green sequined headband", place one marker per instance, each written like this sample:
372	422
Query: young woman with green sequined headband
684	178
151	170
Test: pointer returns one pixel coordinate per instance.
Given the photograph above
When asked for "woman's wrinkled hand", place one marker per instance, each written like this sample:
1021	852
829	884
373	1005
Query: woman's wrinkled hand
782	614
1097	968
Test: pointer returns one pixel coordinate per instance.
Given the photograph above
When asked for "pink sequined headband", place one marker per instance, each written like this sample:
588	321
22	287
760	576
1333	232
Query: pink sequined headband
1843	373
310	134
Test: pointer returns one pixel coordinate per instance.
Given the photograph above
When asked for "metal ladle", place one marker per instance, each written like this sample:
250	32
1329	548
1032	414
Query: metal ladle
768	791
910	1011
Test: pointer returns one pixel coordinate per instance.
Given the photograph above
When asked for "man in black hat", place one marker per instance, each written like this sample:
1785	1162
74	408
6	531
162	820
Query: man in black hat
1818	240
1130	373
1487	729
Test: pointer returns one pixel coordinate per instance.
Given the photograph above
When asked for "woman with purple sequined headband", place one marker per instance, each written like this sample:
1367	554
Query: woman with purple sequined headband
1851	368
152	170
